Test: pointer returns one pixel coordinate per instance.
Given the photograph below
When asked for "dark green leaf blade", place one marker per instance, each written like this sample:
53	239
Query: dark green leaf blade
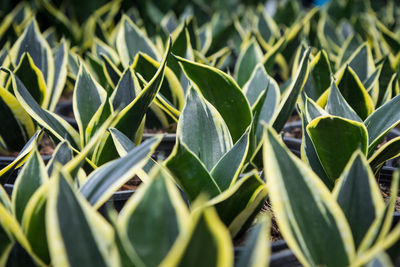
104	181
308	216
288	100
358	195
213	140
227	169
335	139
31	177
152	220
223	93
338	106
190	173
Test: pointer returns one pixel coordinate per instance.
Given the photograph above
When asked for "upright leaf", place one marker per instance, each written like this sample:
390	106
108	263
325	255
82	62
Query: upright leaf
67	213
239	204
355	93
32	176
227	169
338	106
250	55
60	74
29	74
87	99
131	40
335	139
210	143
130	118
288	100
190	173
16	127
62	154
31	41
104	181
308	216
257	83
382	121
153	218
54	124
223	93
358	195
206	236
256	251
34	222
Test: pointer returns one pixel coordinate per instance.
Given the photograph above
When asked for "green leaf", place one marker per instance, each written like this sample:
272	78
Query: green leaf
87	99
308	153
362	62
288	100
122	143
238	205
180	47
29	74
257	84
388	150
338	106
130	118
319	79
227	169
335	139
100	48
256	251
223	93
355	93
111	71
62	154
312	110
60	74
358	194
6	240
170	88
308	216
34	223
31	177
131	40
16	127
250	55
20	159
349	47
126	90
54	124
31	41
104	181
267	28
67	213
190	173
153	218
214	140
382	121
385	77
264	110
206	235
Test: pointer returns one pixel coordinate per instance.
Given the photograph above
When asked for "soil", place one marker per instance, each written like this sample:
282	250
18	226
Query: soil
132	184
66	96
295	133
46	147
275	232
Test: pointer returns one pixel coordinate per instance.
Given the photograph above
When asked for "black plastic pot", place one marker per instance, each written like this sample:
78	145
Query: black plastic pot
5	161
63	109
